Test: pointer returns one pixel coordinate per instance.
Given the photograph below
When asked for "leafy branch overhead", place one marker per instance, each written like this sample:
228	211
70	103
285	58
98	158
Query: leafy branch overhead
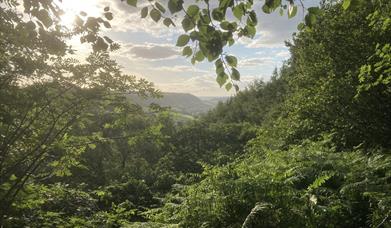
208	28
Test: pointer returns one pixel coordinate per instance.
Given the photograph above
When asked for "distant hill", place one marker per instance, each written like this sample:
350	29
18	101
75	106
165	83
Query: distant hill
180	102
213	101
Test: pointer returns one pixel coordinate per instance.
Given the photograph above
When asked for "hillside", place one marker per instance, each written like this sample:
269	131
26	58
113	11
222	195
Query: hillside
179	102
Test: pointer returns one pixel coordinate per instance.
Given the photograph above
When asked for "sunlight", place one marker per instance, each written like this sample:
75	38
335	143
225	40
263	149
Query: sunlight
74	7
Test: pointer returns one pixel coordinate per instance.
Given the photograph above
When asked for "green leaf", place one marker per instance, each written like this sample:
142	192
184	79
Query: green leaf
228	26
250	31
218	14
310	19
167	22
252	18
231	41
266	9
175	6
292	11
235	75
92	146
182	40
155	15
228	86
132	2
221	79
193	10
346	4
160	7
199	56
314	10
187	51
187	24
301	26
13	177
238	11
219	66
144	12
231	60
109	16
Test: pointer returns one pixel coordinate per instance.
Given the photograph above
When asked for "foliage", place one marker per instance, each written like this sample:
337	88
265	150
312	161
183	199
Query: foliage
307	185
309	148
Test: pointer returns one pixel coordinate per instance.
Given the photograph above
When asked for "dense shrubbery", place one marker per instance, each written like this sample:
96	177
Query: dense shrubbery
305	186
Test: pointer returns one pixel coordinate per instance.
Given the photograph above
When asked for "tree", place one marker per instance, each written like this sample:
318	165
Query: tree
44	93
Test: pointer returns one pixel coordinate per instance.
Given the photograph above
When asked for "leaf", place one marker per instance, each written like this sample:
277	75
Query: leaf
252	18
266	9
187	24
217	14
292	11
109	16
219	66
221	79
231	60
250	31
228	86
346	4
155	15
182	40
199	56
228	26
160	7
92	146
167	22
43	16
106	24
193	10
235	75
320	180
132	2
310	19
13	177
187	51
238	11
300	26
175	6
144	12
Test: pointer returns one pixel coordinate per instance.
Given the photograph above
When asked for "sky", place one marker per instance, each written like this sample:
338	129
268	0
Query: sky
148	49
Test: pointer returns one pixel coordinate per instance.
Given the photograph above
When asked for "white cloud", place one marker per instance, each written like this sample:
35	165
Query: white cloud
258	61
283	54
148	51
180	69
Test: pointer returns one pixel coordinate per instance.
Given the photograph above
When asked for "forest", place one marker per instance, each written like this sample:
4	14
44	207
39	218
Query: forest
311	147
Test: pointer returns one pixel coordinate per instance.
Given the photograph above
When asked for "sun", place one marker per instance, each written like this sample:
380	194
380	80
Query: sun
72	8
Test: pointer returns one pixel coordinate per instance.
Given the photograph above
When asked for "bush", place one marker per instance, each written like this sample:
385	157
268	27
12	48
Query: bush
305	186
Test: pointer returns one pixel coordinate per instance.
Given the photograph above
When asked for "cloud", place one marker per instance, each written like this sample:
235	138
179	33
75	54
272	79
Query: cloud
149	51
253	62
283	54
180	69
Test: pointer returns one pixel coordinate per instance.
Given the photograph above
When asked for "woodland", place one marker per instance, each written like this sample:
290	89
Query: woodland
309	148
